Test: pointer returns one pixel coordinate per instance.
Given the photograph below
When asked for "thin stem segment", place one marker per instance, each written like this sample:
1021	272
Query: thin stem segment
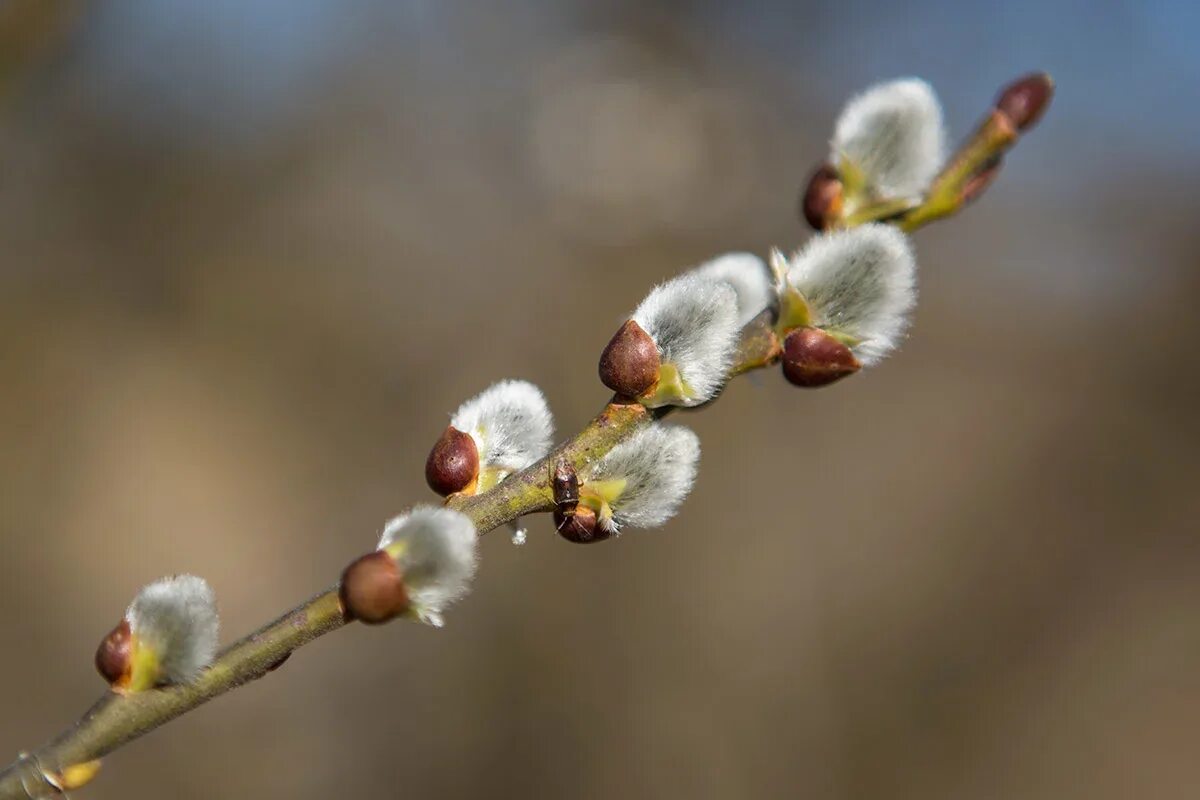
949	190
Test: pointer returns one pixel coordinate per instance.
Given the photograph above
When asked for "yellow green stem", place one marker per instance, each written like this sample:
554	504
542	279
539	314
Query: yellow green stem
945	197
878	211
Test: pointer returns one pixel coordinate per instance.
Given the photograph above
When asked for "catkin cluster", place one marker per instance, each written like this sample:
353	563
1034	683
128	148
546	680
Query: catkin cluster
841	302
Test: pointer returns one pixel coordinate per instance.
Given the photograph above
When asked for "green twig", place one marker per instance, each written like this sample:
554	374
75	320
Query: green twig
946	196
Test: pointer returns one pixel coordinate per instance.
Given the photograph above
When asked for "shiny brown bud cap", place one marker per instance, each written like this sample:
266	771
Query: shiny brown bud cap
580	527
812	358
114	655
629	364
372	589
822	200
1025	100
453	463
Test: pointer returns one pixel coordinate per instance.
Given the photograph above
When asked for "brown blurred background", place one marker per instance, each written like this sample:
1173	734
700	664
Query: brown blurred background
253	253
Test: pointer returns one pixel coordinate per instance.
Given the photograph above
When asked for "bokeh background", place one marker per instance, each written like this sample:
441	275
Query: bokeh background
253	253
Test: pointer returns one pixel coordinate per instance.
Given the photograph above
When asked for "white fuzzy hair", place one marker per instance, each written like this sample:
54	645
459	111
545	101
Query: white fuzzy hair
510	422
861	282
693	320
176	618
893	132
748	276
659	465
438	559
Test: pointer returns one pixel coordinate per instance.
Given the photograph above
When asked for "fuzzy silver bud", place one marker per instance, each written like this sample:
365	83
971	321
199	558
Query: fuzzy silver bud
435	551
511	426
892	137
859	283
693	321
173	627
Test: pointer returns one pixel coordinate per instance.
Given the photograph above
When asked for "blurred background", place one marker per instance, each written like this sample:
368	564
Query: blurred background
252	254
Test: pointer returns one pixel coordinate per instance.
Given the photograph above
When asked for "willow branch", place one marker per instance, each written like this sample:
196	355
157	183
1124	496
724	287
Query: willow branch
117	719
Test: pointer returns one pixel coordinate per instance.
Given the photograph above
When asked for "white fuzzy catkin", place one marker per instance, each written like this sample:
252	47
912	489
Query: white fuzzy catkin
437	556
510	422
860	282
176	618
659	465
748	276
893	133
693	321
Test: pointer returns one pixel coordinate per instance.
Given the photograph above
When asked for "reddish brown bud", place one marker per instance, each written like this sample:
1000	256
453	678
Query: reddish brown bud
580	527
981	180
453	463
114	655
822	200
565	483
372	589
812	358
1025	100
629	364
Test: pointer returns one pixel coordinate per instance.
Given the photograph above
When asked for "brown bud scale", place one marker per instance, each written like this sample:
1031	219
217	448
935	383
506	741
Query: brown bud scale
981	180
629	364
453	463
812	358
1025	100
279	662
822	200
565	483
114	655
372	589
581	527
